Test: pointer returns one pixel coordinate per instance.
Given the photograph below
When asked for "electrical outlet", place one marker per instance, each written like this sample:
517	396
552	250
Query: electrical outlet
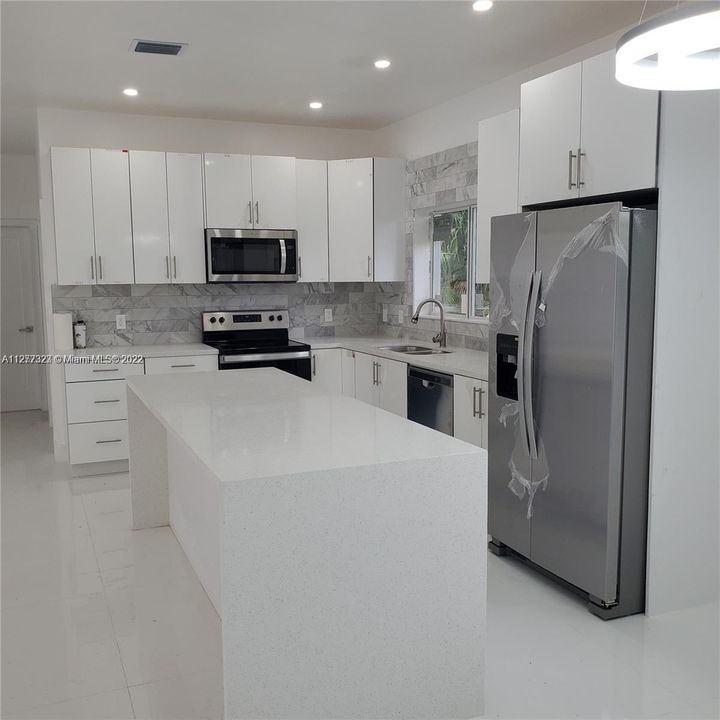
120	323
401	316
328	314
385	313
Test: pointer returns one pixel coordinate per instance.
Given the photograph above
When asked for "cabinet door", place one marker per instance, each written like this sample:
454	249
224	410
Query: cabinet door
312	220
389	262
228	191
148	184
350	220
111	214
618	131
366	385
327	370
185	217
392	380
550	136
348	373
72	205
498	152
274	188
470	410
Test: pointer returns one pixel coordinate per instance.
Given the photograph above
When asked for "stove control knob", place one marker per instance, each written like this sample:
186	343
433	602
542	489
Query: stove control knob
271	318
222	320
213	319
279	317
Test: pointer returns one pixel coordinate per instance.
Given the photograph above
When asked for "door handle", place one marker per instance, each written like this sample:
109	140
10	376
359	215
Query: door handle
369	266
522	341
167	267
27	328
257	212
580	156
101	402
314	364
103	442
299	267
100	266
571	157
184	365
250	212
175	267
92	267
477	406
528	365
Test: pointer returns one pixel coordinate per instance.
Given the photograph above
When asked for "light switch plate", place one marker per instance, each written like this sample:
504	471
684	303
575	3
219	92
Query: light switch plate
385	313
120	323
328	314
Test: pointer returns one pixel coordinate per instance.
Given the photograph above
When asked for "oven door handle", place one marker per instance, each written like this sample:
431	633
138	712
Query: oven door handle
283	256
262	357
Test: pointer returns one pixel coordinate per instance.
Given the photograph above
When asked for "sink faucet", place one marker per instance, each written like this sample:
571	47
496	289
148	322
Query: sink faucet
441	337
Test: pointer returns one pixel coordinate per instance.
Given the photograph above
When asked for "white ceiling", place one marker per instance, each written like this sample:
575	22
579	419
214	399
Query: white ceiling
263	61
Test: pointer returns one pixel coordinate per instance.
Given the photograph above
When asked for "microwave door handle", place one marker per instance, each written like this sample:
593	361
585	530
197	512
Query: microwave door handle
283	256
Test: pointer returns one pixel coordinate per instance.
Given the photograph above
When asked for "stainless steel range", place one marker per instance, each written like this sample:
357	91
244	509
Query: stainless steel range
255	338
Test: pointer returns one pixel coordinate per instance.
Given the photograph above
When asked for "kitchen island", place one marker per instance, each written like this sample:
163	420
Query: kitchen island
342	546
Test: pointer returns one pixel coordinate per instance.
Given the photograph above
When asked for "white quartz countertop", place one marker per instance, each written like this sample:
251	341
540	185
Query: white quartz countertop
149	351
459	361
263	423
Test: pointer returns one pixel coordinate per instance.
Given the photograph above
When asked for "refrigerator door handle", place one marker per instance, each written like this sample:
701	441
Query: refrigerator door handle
528	362
521	373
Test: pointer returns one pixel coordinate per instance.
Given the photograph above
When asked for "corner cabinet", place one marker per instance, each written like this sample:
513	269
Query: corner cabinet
381	382
312	220
366	201
470	398
250	191
582	133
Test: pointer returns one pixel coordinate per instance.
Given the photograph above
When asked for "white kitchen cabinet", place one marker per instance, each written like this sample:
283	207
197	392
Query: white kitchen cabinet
618	131
381	382
550	136
497	184
98	441
366	386
180	364
112	216
72	204
96	401
348	372
186	221
274	190
228	191
148	183
327	370
470	398
583	134
312	220
365	219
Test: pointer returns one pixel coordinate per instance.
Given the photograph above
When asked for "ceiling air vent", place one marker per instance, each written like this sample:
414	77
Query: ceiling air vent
156	47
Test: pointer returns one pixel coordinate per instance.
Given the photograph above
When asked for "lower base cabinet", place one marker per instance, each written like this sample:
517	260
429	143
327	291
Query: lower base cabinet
327	369
470	398
381	382
98	441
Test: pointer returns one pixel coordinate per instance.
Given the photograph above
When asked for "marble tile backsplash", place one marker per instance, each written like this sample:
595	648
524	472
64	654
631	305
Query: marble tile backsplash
433	182
159	314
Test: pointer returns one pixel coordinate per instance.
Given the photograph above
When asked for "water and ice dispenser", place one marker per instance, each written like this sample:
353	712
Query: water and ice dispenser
507	366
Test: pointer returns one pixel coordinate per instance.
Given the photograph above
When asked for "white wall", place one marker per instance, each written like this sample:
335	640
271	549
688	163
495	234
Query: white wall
683	555
455	122
18	187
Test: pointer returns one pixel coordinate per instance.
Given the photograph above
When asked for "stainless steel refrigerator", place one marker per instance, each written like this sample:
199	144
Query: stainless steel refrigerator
571	330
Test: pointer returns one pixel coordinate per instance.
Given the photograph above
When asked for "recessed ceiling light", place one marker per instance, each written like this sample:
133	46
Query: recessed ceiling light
130	92
482	5
382	64
315	105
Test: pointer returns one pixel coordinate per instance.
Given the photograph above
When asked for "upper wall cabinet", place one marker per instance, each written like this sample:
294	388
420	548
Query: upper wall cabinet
582	133
243	191
167	216
365	219
497	185
312	220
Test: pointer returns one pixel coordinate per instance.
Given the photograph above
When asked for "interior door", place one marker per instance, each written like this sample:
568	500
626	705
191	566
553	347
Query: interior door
20	320
273	183
578	395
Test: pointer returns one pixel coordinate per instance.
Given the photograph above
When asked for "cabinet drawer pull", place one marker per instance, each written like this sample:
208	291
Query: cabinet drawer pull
167	267
580	156
314	364
250	212
105	442
107	370
100	266
257	212
369	266
477	402
571	157
100	402
92	267
185	365
175	267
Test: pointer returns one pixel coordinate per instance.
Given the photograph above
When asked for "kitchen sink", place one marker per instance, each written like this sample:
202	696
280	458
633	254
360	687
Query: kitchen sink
414	350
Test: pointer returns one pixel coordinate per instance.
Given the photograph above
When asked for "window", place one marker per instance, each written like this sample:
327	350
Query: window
453	263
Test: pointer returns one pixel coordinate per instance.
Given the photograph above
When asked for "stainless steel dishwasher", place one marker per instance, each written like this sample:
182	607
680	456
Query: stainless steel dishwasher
430	399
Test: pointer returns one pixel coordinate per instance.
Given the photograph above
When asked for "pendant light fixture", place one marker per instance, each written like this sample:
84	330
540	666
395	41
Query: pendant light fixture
676	50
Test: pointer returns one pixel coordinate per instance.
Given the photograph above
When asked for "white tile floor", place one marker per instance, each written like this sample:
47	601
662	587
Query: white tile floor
102	622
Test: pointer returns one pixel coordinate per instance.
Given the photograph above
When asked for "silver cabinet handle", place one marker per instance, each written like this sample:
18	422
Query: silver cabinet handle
250	212
369	266
107	370
103	442
100	266
27	328
314	364
299	267
92	267
571	157
257	212
580	156
101	402
185	365
374	381
167	267
477	407
175	267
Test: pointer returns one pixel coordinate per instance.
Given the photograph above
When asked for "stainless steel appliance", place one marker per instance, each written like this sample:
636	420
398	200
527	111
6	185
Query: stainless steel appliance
571	330
251	255
430	399
255	338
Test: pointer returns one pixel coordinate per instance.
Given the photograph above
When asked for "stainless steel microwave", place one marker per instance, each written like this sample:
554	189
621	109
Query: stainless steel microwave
251	255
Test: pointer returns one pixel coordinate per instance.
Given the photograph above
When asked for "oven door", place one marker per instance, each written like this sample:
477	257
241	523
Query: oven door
251	255
295	362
